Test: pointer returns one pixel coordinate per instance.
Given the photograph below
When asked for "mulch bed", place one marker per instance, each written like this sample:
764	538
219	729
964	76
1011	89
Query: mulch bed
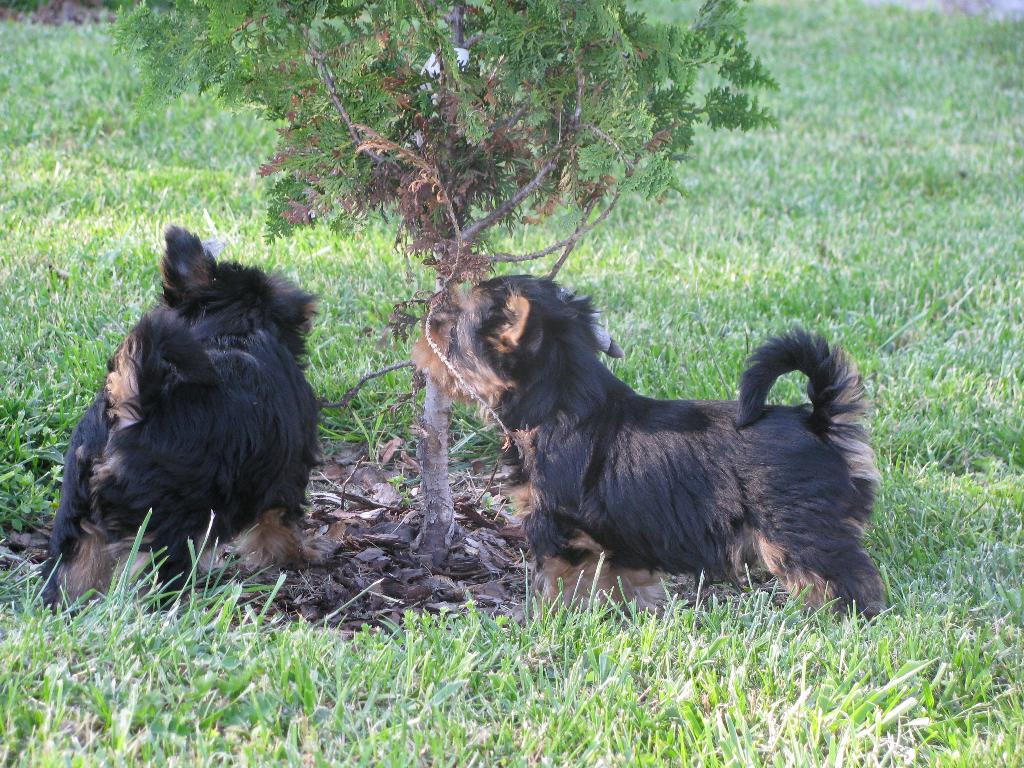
363	513
363	517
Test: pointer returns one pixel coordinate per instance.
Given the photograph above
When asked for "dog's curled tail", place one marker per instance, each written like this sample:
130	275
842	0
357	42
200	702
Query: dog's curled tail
833	386
159	354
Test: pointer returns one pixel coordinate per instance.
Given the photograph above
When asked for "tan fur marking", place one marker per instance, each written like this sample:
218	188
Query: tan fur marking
309	311
743	551
859	456
477	374
107	468
849	434
272	541
123	386
595	580
90	567
95	560
521	497
816	590
210	558
519	308
431	365
121	550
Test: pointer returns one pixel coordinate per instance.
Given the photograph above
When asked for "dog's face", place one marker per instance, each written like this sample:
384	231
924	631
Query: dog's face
506	331
226	298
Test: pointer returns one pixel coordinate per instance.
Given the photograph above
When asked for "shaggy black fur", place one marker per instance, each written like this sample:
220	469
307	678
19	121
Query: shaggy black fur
673	486
205	410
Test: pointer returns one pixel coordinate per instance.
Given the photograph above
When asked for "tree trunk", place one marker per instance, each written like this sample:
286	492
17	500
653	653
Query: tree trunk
438	526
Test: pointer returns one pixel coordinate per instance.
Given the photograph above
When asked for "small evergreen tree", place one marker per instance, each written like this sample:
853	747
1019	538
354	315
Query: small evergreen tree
459	117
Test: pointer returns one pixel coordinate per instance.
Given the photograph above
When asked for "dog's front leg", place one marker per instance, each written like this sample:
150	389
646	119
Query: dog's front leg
571	566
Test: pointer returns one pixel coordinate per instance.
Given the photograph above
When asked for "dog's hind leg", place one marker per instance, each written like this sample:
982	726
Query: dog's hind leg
826	569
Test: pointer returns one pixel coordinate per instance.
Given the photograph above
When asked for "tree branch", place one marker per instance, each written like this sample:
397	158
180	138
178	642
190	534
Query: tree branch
561	259
351	393
568	243
332	93
456	20
509	205
580	82
603	135
505	126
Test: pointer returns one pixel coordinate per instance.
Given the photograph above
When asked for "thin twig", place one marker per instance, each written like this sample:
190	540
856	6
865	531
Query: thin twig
578	111
600	133
332	92
509	205
571	245
362	501
450	210
344	485
433	173
581	229
494	473
569	248
561	259
351	393
497	129
369	503
507	125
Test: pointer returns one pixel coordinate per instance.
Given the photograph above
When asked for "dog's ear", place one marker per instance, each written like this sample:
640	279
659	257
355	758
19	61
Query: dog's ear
517	313
308	313
213	247
187	264
291	308
605	342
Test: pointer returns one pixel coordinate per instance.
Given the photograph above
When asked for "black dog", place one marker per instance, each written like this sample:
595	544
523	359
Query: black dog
206	419
622	488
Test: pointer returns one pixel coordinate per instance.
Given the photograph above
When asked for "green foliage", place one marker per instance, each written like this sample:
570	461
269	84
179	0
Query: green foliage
607	97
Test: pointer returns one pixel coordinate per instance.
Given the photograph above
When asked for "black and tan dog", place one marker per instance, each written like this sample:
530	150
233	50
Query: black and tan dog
644	487
206	419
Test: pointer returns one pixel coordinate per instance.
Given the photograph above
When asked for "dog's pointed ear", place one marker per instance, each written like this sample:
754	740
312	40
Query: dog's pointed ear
517	310
187	264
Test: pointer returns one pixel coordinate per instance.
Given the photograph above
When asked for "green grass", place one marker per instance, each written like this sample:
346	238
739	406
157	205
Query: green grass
887	212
